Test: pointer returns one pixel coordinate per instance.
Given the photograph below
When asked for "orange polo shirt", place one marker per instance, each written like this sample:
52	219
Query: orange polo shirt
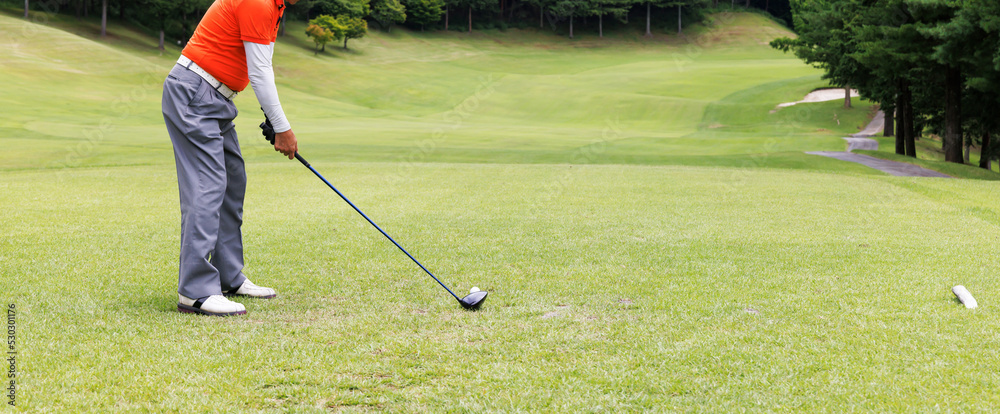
217	43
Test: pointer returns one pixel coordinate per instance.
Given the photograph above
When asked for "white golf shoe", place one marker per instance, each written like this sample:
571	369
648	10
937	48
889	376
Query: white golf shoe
215	305
250	289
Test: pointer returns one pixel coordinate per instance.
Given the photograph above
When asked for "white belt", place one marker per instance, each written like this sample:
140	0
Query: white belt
219	86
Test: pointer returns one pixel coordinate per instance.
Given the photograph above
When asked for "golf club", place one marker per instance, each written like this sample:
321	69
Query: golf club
471	301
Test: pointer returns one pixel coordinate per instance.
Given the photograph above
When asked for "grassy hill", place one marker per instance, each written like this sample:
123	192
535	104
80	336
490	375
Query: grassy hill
520	96
613	196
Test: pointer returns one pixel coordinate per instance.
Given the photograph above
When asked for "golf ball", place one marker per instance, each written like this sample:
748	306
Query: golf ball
473	290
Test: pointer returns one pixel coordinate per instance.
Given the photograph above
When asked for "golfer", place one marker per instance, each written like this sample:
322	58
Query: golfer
231	47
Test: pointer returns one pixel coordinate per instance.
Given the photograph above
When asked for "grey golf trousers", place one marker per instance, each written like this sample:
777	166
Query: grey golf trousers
212	182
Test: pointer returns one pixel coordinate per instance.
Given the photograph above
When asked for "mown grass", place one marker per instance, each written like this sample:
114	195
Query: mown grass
522	97
613	288
742	275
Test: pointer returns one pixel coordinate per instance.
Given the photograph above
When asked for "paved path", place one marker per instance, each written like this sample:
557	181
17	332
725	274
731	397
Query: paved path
862	142
854	143
901	169
874	127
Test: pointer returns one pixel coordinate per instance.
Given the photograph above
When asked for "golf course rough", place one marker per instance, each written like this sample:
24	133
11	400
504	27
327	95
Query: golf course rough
691	258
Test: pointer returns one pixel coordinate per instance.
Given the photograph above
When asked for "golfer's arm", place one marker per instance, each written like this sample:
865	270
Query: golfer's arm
262	80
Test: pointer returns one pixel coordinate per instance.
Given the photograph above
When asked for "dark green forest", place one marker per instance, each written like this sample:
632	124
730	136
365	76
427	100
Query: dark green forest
176	19
933	66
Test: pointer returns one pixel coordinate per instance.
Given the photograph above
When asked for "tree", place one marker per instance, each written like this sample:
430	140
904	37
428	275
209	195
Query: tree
571	8
302	10
825	41
966	36
82	8
935	62
898	53
104	18
324	29
388	12
691	4
828	39
25	9
424	12
160	11
353	8
649	11
484	5
354	27
565	9
616	8
680	26
934	17
978	32
193	8
542	5
447	10
857	43
892	51
168	17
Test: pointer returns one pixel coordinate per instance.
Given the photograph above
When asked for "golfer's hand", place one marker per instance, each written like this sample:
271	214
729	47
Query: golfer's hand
285	143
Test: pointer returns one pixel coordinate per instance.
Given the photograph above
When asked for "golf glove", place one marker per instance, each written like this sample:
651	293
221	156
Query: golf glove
267	129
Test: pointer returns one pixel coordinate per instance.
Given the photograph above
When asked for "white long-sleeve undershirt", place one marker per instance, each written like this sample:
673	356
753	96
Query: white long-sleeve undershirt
262	80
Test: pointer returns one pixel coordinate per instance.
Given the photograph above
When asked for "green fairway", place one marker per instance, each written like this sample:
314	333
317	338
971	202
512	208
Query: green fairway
510	98
621	287
652	236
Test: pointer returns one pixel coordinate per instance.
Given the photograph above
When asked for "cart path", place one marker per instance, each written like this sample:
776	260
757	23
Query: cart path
862	140
896	168
874	127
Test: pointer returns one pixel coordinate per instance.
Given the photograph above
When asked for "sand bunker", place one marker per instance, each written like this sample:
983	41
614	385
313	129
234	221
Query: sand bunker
821	95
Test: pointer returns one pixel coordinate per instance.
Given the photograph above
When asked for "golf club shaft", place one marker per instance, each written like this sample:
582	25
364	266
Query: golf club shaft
306	163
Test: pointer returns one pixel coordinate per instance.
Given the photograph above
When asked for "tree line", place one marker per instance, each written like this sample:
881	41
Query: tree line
175	20
933	66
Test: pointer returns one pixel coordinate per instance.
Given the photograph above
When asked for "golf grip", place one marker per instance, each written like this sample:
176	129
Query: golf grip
306	163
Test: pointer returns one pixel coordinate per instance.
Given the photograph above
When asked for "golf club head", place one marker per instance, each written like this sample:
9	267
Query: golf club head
473	300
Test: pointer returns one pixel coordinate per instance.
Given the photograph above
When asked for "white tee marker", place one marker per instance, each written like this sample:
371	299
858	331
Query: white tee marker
965	297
